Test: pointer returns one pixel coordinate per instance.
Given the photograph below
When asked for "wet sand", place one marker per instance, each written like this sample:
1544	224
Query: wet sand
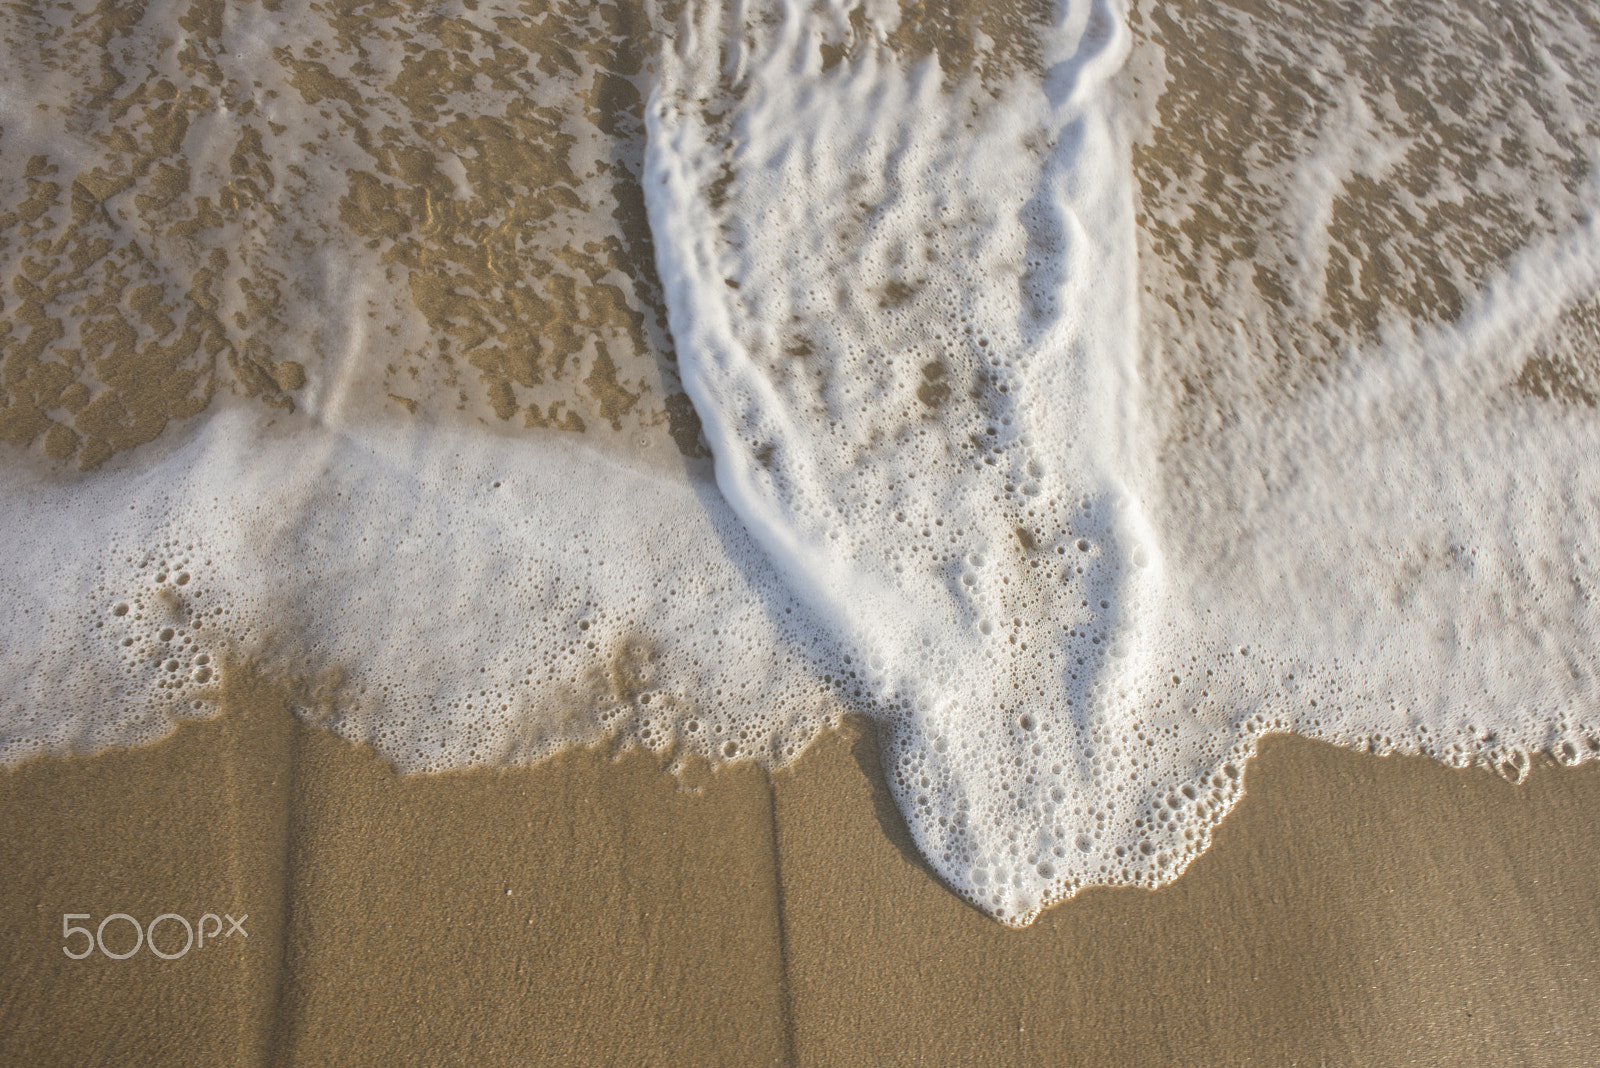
588	911
1353	910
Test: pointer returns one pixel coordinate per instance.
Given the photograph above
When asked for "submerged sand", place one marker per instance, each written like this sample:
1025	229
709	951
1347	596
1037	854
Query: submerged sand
590	910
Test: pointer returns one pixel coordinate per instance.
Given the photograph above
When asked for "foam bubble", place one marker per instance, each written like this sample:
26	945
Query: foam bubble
1065	499
437	595
907	312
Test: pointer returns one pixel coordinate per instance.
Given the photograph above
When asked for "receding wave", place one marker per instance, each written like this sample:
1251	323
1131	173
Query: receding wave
1090	391
908	312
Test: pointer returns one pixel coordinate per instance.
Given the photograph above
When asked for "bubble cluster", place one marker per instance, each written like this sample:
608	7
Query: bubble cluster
908	314
137	647
1075	554
456	611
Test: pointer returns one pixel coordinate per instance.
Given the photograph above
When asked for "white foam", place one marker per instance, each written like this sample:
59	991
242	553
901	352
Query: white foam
1072	634
962	484
456	600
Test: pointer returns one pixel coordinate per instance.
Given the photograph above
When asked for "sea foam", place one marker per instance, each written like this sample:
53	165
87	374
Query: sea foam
907	312
991	467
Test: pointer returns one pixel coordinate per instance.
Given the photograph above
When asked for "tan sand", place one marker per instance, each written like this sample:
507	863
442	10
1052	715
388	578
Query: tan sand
1353	910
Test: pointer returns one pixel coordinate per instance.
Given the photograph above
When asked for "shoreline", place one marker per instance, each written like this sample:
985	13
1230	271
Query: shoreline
1351	909
402	261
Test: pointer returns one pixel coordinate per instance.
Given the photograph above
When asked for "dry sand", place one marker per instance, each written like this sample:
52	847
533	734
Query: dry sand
1353	910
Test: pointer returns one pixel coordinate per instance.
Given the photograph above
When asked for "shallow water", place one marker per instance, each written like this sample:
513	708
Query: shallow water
1091	391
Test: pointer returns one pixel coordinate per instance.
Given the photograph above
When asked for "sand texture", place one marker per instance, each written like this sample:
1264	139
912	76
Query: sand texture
1353	910
169	212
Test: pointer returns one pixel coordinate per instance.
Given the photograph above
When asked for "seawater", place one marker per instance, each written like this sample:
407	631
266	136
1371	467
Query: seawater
1079	391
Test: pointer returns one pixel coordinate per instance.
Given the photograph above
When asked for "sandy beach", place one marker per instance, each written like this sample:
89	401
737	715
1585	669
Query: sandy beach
475	184
1353	910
